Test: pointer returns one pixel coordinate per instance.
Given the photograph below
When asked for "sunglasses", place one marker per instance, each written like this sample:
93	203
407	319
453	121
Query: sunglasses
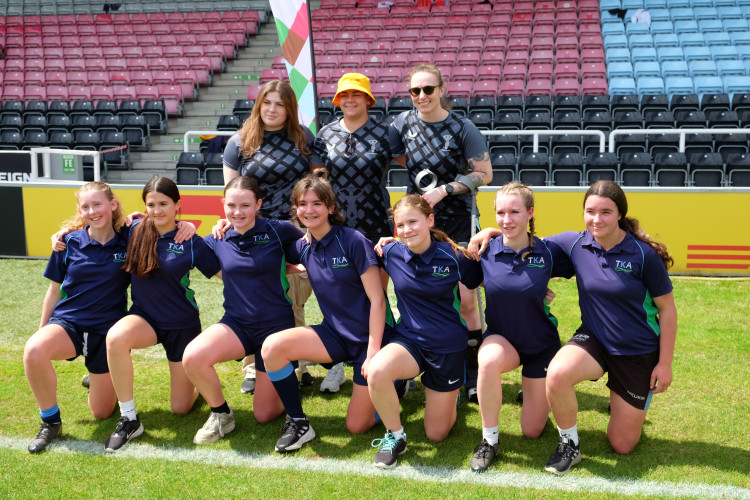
350	143
427	89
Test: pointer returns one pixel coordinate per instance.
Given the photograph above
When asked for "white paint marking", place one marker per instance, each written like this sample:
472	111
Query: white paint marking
540	481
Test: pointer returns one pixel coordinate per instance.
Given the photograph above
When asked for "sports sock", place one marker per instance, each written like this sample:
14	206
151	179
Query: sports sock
127	409
491	434
50	415
287	387
569	434
399	433
222	408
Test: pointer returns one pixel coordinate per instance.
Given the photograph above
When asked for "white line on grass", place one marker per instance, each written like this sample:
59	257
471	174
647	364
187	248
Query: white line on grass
540	481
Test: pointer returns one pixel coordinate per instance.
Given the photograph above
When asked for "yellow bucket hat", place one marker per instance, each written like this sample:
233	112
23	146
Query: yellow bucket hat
353	81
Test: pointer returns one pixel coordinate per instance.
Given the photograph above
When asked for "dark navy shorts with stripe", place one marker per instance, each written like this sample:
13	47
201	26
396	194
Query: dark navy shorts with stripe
91	345
252	338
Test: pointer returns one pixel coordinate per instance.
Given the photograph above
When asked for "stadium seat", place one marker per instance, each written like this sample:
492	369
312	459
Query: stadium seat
503	168
635	169
567	169
738	169
533	168
706	170
188	176
670	169
600	165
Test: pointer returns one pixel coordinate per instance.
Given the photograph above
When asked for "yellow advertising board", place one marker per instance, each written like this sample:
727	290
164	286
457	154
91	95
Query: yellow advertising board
706	231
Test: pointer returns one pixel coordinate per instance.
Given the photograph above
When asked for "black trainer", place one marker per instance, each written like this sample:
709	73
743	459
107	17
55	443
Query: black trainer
389	449
124	432
294	434
566	456
306	380
484	455
47	432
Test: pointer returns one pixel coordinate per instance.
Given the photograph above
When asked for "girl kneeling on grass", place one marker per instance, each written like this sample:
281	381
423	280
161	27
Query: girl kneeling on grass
164	309
86	296
426	268
253	255
628	324
343	271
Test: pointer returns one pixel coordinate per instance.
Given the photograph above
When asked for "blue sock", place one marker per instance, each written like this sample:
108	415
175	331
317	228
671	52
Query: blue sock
51	415
287	387
377	417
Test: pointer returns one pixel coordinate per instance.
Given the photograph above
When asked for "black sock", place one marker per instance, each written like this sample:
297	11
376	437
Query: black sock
222	408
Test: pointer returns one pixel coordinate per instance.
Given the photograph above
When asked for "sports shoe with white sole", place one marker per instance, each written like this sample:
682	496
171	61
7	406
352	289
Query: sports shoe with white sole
294	434
484	455
217	425
334	379
47	432
565	457
248	385
85	381
389	449
124	432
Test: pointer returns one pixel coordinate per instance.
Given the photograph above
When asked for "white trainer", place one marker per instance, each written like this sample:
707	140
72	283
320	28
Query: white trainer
334	379
217	425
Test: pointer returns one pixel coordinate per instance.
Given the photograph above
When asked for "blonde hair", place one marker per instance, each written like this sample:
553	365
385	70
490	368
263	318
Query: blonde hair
251	132
416	201
76	222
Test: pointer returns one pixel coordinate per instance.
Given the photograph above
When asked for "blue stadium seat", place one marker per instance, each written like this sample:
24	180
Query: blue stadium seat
613	29
615	42
740	37
702	68
620	70
646	69
678	85
720	38
678	4
697	54
736	84
637	29
666	40
647	85
638	41
660	14
730	67
707	26
681	14
674	68
620	86
670	54
643	54
617	55
702	13
723	52
691	40
707	85
729	12
661	27
655	4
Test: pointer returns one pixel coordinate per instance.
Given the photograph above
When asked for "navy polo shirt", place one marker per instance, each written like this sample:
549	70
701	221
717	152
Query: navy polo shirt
426	287
253	267
359	177
93	284
616	290
335	265
515	286
166	297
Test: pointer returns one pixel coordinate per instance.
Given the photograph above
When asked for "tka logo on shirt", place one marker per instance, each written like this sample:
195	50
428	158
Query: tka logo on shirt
535	261
623	266
441	271
338	262
259	239
119	257
175	248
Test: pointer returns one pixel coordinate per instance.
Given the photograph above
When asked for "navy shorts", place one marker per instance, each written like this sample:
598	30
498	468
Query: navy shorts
174	341
629	375
457	227
91	345
533	365
341	350
252	338
440	372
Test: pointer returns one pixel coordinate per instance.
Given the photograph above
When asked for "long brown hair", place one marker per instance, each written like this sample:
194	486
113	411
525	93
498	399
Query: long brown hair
76	222
142	259
527	195
317	182
610	189
416	201
251	132
434	70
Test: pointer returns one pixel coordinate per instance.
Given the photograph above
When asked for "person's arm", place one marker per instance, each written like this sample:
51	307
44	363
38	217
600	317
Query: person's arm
661	377
382	242
480	241
185	231
51	299
374	291
58	242
229	174
479	175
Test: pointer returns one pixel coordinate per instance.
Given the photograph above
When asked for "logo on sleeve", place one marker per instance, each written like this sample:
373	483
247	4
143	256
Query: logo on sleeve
175	248
259	239
441	271
119	257
623	266
338	262
535	261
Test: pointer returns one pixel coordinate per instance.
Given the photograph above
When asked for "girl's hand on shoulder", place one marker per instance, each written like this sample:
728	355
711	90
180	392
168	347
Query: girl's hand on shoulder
307	237
185	231
131	217
221	227
386	240
479	243
58	244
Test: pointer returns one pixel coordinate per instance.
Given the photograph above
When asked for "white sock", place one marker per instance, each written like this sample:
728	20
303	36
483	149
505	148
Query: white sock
399	433
569	434
127	409
491	434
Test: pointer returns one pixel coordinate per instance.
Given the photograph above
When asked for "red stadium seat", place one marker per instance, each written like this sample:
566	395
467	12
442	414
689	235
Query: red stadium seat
485	88
594	86
566	86
514	87
539	86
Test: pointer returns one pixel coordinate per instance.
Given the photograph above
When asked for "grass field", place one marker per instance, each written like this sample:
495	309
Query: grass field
696	440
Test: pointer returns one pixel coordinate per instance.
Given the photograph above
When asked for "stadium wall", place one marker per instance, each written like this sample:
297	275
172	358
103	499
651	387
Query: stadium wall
707	230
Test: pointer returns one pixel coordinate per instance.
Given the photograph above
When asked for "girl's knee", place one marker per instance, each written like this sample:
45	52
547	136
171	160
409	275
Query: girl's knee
622	444
358	425
437	434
